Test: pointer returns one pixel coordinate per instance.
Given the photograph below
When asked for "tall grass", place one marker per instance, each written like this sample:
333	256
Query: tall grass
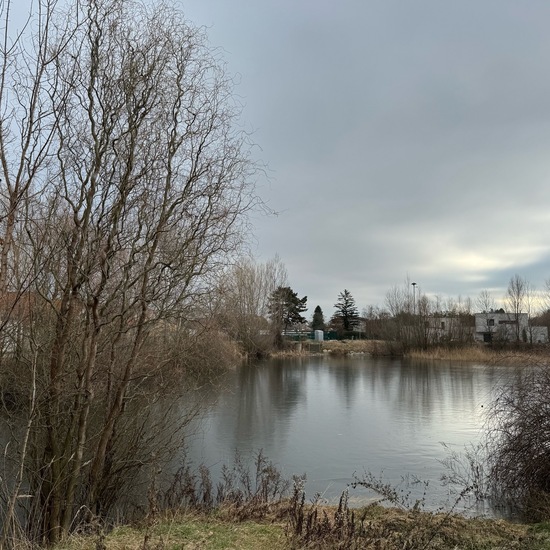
469	353
480	354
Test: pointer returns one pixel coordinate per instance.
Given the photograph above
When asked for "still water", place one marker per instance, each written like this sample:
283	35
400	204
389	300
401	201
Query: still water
333	418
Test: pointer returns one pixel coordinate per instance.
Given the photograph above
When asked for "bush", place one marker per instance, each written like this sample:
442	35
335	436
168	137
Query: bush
519	440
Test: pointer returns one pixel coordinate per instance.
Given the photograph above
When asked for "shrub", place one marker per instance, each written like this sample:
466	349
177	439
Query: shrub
520	443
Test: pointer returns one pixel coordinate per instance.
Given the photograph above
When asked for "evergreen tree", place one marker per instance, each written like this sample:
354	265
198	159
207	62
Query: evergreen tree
346	311
285	310
318	321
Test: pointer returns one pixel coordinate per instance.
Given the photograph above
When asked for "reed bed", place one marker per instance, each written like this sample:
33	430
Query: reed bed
475	353
470	353
486	355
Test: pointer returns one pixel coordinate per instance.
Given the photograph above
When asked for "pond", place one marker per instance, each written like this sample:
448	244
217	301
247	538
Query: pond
333	418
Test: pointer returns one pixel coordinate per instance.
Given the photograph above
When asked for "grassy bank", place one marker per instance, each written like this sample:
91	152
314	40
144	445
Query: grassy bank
186	531
189	531
374	527
473	353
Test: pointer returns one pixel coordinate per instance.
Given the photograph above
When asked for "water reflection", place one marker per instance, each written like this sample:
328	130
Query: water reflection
260	405
331	418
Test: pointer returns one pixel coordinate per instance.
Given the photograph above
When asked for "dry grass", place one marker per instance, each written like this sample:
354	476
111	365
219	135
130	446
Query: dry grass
334	347
397	528
476	353
473	353
377	528
186	532
481	354
343	347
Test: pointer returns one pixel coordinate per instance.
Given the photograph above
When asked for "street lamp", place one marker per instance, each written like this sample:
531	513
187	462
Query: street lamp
414	298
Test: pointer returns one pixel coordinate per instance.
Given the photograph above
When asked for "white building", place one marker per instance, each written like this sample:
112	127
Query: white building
448	328
508	327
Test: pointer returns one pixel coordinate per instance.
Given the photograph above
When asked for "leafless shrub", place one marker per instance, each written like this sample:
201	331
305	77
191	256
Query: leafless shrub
399	495
519	442
467	469
311	525
241	493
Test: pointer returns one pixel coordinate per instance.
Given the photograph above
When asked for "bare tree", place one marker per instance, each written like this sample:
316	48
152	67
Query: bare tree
417	321
244	307
516	298
532	309
409	311
376	320
399	300
544	305
27	127
485	302
545	295
486	305
126	191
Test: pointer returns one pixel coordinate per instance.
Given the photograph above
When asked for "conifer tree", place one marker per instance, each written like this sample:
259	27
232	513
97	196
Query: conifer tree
285	309
346	311
318	321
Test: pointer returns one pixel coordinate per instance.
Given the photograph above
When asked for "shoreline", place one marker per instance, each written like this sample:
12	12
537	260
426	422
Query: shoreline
536	355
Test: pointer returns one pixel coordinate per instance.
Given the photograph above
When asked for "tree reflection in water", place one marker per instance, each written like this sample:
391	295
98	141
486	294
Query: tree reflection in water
332	418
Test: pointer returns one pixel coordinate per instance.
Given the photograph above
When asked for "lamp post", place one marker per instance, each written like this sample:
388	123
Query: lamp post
414	298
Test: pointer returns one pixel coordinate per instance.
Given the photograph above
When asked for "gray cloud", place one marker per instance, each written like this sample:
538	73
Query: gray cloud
403	138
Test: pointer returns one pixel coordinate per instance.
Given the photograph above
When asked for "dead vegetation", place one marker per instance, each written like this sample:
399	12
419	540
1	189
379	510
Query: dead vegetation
473	353
345	347
252	509
519	438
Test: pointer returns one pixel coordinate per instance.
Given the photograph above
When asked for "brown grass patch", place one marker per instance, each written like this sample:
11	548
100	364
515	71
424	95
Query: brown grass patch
472	353
378	528
482	354
344	347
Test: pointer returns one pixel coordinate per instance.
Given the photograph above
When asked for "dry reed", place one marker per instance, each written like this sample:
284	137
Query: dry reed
481	354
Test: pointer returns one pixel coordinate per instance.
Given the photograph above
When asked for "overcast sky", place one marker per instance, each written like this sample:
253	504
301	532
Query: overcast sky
403	139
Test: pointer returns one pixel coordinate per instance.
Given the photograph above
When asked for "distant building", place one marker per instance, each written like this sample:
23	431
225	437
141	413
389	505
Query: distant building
449	328
508	327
